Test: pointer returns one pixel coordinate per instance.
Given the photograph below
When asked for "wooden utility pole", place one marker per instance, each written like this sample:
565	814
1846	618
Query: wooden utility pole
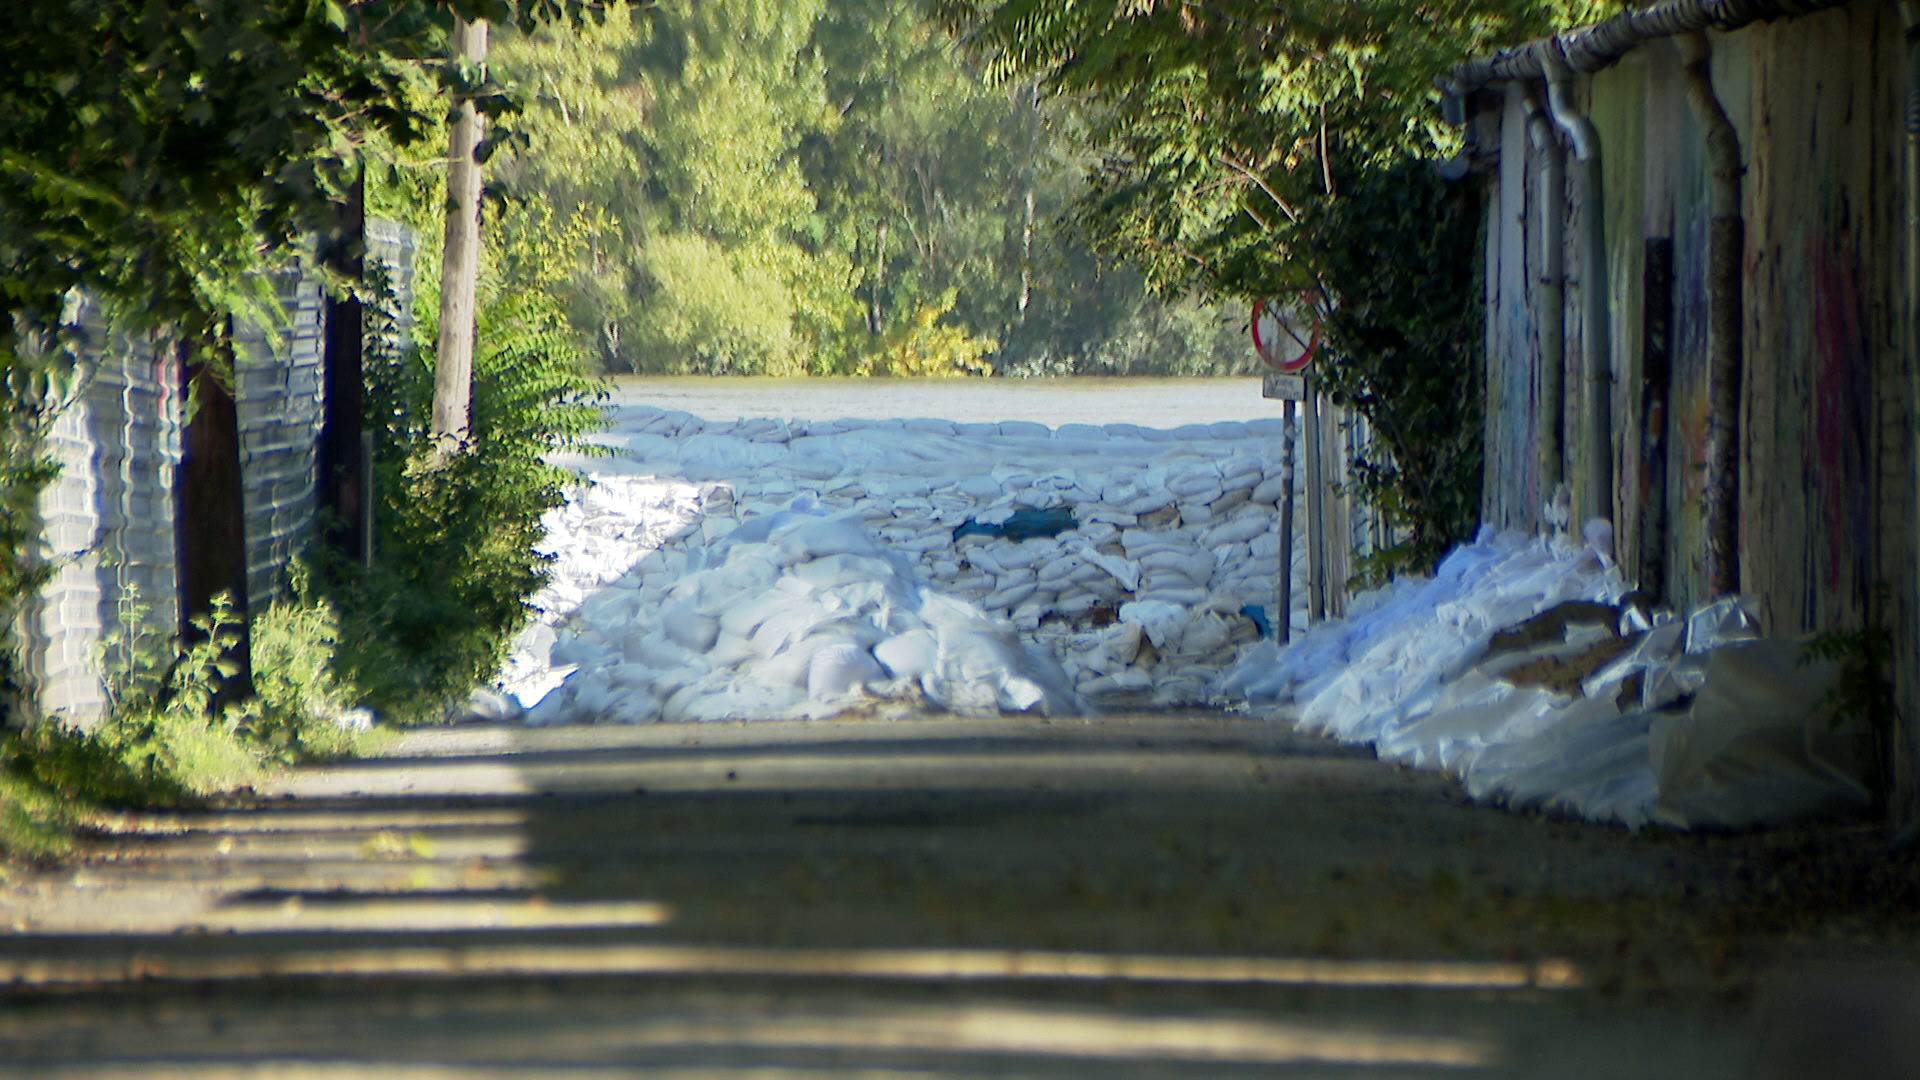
459	272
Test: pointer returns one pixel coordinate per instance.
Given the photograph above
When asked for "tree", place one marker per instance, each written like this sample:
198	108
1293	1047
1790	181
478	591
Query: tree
1228	136
779	187
460	265
161	155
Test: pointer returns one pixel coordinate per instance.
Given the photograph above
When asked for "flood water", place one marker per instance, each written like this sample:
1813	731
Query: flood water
1160	403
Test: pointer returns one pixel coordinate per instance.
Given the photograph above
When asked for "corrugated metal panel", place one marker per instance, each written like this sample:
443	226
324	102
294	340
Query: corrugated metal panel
110	516
392	246
280	406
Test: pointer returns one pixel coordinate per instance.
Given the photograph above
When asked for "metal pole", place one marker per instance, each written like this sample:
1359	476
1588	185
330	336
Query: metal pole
1316	511
1283	616
365	525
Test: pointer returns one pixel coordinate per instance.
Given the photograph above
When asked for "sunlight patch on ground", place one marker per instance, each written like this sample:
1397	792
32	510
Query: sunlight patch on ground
701	960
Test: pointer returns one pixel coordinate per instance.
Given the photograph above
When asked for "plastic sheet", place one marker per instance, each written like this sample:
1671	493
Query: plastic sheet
1513	669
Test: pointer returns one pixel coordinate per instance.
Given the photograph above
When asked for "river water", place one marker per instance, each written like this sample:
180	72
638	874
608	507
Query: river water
1160	403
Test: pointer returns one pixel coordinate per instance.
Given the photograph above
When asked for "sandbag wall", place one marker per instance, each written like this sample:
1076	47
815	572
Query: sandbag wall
1142	560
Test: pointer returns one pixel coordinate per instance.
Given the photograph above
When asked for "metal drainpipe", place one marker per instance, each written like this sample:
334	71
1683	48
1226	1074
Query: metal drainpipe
1553	309
1596	477
1726	355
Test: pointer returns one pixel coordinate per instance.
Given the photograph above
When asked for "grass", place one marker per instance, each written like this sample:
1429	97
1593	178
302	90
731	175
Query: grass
164	743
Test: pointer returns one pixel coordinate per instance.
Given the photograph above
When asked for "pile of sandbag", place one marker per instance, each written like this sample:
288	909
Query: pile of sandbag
794	614
1138	560
1519	668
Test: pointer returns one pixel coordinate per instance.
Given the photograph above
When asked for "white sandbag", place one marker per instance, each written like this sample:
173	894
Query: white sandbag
1230	500
1025	429
1126	573
1006	597
1163	623
1124	681
1097	532
1025	554
1075	603
1192	516
1200	484
1174	595
793	664
1059	569
978	487
1270	490
840	669
1194	565
1148	502
909	655
1081	432
1207	632
686	627
758	491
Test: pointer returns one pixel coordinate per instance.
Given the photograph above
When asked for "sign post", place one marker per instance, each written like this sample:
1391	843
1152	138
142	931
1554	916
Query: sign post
1287	353
1316	510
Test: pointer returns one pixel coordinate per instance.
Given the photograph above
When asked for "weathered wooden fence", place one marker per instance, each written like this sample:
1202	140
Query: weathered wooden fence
1826	449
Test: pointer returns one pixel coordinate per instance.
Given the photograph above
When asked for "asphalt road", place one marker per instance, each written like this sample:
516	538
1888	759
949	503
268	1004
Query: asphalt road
1185	895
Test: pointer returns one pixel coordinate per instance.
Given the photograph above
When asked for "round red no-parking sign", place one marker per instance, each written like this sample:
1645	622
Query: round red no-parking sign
1283	340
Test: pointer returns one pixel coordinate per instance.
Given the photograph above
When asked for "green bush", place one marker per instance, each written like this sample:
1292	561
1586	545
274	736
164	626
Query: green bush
297	696
162	741
454	558
1403	347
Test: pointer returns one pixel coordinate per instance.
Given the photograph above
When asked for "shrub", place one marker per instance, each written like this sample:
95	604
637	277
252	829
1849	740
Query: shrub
1403	349
454	539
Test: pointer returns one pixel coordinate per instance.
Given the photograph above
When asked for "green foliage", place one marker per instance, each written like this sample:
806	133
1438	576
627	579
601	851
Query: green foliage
1249	150
162	723
776	188
159	155
1864	693
160	744
297	696
163	741
926	347
155	153
455	538
36	384
1402	348
35	823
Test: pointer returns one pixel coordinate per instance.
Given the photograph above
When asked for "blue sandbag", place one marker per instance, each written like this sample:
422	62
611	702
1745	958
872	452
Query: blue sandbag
1022	524
1258	613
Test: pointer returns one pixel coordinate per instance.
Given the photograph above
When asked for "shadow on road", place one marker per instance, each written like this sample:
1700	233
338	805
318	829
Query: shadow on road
1148	895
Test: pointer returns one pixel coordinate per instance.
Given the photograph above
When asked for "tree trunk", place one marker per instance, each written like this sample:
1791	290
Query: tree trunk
343	505
209	502
876	322
453	368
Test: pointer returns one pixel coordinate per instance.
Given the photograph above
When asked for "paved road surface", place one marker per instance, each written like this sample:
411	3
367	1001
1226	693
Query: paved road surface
1186	895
